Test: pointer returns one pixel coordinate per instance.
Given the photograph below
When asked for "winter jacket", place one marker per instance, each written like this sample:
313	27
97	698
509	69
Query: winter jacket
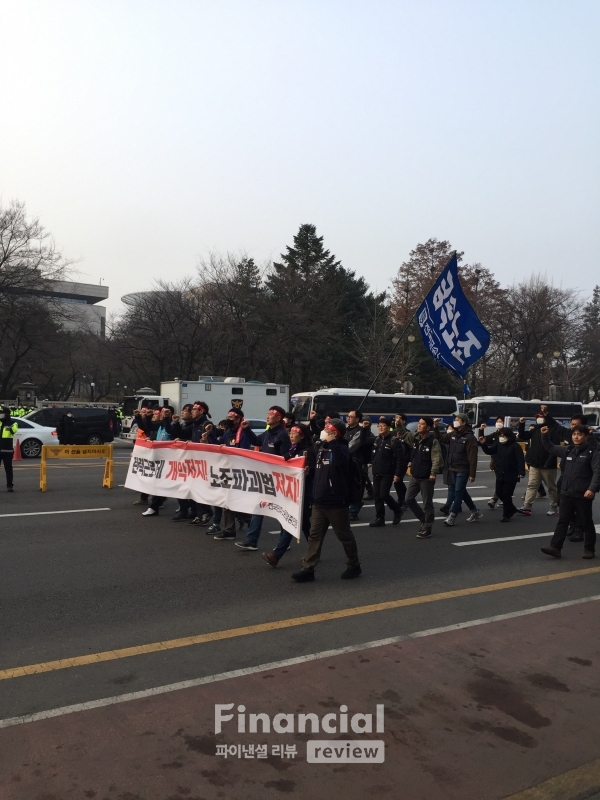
7	431
356	440
426	456
405	435
275	441
390	456
367	446
537	455
229	439
580	466
307	451
333	475
509	461
462	451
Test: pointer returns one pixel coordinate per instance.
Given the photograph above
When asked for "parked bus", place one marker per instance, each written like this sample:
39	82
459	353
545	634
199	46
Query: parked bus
339	402
485	410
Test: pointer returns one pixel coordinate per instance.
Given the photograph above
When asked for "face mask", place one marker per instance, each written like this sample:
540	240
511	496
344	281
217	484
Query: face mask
457	423
540	421
499	425
326	436
502	439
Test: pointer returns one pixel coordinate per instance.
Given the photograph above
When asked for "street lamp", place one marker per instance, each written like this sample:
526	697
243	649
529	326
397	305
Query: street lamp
92	387
410	338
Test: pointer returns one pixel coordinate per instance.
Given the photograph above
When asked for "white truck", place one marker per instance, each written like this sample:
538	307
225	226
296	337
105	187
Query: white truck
219	393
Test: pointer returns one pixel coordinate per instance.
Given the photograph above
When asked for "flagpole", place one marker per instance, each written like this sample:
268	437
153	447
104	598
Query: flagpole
391	353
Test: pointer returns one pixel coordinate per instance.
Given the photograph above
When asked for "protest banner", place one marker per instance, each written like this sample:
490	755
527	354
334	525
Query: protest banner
240	480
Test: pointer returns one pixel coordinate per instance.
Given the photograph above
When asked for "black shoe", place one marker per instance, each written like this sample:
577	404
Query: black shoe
551	551
246	546
397	518
445	510
304	576
205	519
354	517
505	519
574	537
424	533
588	554
10	489
195	521
351	572
379	523
224	536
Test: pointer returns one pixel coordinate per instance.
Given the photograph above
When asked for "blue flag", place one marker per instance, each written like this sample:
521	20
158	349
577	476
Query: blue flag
449	326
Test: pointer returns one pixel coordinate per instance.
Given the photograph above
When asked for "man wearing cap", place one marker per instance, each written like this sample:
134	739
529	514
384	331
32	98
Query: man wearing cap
460	467
542	463
331	495
276	441
389	463
426	461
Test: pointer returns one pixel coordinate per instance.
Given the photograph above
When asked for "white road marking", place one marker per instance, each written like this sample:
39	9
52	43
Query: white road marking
289	662
41	513
509	538
435	500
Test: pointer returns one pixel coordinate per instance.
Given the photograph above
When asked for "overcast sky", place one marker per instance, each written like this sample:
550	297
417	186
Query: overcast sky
146	134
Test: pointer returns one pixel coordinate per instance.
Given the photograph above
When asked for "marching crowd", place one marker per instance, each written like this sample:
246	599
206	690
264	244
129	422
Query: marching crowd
339	455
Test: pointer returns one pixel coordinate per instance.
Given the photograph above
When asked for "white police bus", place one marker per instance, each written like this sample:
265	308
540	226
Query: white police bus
592	413
485	410
338	402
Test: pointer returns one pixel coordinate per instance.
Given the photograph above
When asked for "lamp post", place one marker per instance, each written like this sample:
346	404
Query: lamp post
540	356
92	387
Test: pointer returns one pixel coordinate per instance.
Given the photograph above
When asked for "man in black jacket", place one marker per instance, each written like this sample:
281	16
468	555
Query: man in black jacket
542	463
331	494
355	436
275	441
389	463
580	466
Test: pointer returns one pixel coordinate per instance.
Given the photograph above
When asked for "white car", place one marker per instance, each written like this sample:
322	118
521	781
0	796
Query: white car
32	436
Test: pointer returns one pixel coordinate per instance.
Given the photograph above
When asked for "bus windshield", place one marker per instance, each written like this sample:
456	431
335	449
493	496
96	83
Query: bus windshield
301	407
338	405
485	412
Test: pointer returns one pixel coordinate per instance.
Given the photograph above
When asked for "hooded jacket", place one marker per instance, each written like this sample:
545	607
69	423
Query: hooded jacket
462	450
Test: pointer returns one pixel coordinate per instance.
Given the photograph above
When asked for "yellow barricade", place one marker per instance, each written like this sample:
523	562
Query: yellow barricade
79	451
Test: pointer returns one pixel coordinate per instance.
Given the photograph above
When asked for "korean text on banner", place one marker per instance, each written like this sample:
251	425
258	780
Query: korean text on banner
449	326
240	480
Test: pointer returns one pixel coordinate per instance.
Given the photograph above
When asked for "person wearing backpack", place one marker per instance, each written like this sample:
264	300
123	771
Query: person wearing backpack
332	494
389	463
426	461
580	472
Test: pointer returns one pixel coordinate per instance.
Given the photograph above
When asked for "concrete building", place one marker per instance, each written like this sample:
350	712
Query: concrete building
79	302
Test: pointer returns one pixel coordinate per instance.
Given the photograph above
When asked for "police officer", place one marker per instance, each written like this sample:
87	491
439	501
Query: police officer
8	428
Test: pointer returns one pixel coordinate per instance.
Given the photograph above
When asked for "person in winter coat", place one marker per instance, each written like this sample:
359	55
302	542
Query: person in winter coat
580	467
275	441
158	429
426	462
389	463
8	428
492	439
66	429
460	467
509	467
301	447
331	495
542	463
355	436
367	453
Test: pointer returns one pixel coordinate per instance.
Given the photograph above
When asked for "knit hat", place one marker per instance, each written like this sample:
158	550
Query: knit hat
462	416
386	420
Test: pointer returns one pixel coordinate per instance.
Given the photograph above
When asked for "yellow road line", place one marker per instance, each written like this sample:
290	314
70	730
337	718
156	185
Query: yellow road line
263	627
569	786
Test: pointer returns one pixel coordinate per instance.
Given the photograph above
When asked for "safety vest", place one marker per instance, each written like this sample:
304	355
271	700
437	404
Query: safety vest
8	431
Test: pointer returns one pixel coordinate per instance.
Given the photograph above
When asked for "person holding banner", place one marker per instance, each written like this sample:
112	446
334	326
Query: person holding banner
331	498
301	448
236	435
276	441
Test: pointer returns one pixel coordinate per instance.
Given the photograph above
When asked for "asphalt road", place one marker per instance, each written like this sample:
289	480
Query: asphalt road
75	584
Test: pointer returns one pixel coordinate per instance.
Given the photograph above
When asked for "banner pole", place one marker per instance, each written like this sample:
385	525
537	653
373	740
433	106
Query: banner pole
391	353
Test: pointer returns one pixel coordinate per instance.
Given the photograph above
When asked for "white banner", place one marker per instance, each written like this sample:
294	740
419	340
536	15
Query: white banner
241	480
